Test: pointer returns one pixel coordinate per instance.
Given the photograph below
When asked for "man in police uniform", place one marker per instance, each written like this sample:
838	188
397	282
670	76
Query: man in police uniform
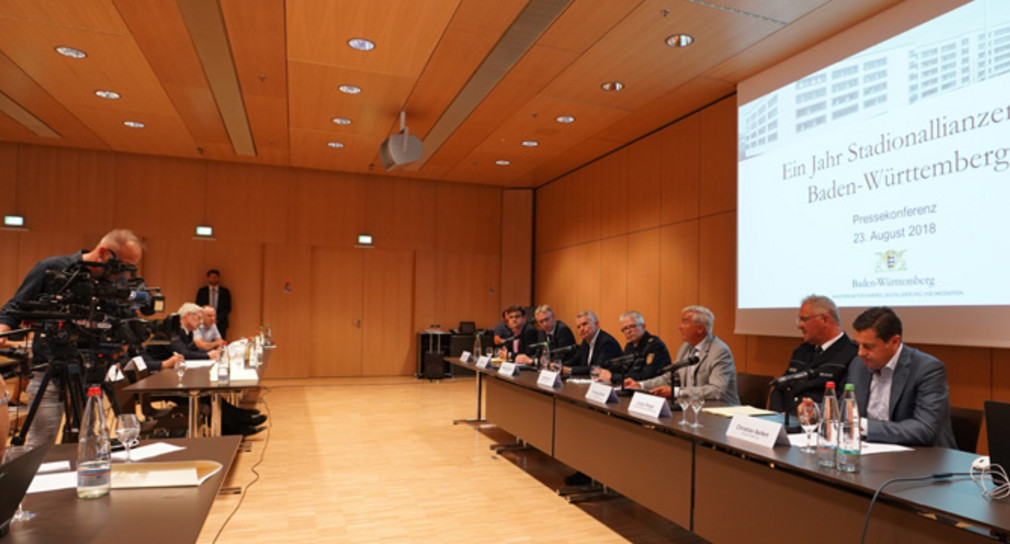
648	353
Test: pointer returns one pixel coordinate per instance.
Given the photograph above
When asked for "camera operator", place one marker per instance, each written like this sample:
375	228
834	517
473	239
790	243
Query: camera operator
119	243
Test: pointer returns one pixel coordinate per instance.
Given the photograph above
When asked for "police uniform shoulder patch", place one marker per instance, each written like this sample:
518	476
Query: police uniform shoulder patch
649	358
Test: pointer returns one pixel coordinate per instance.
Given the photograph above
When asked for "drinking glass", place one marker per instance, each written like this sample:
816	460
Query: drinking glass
697	401
127	430
11	453
180	370
684	400
810	417
594	372
489	352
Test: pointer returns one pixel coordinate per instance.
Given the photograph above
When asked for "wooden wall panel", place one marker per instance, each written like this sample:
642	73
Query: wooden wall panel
646	178
767	355
241	266
613	284
678	157
8	178
717	272
51	204
177	266
608	206
678	284
246	203
549	226
1001	375
336	310
466	289
968	373
468	218
287	303
329	209
587	282
517	247
643	275
388	347
398	213
161	197
717	135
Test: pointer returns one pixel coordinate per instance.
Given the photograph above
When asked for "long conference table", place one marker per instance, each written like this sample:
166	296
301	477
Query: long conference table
729	490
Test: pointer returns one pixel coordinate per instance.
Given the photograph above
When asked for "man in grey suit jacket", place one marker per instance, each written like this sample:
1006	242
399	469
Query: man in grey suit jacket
901	391
714	373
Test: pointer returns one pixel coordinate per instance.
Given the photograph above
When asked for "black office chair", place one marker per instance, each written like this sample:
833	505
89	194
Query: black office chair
966	423
753	389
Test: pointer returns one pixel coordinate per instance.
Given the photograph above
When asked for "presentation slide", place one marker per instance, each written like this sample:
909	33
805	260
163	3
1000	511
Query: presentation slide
884	178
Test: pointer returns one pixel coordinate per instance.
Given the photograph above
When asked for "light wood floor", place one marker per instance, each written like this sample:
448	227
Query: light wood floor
379	460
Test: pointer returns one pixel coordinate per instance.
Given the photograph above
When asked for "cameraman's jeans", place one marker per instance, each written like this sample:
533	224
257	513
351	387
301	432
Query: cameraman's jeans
49	414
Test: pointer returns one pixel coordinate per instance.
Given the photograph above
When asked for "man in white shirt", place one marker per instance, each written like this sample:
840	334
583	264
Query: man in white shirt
206	336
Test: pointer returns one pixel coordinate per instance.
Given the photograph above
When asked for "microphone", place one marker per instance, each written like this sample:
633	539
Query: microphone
509	339
820	371
565	349
690	361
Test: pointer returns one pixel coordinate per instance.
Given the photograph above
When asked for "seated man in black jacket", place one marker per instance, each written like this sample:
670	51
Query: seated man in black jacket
826	350
646	354
596	349
521	343
553	334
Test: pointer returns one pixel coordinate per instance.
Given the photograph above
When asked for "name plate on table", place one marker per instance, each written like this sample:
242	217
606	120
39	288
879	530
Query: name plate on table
483	361
645	404
549	379
757	431
465	357
601	392
508	369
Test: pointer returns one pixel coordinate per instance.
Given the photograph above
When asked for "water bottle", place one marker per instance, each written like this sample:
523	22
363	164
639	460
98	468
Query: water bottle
94	462
224	365
477	349
849	439
827	436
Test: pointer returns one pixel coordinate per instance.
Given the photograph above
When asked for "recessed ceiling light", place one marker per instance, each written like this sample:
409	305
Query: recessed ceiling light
565	119
531	143
680	40
71	52
502	162
361	44
341	121
111	95
335	145
133	124
350	89
612	86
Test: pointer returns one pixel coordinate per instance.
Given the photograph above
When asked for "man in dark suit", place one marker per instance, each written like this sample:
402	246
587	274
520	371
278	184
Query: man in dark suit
218	296
553	334
596	349
520	344
714	373
825	349
901	391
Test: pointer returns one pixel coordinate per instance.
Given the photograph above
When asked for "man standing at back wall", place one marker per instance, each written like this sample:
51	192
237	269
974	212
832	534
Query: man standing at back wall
216	295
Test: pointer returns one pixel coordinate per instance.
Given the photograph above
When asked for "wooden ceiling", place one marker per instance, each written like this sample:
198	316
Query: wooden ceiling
257	81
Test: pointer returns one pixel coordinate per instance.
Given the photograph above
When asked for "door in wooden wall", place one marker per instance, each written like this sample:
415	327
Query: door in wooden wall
362	312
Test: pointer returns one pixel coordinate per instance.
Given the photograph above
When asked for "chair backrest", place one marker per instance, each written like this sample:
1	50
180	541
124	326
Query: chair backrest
966	423
753	389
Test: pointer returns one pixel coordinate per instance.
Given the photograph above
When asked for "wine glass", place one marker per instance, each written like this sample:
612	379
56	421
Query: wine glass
11	453
684	400
127	430
810	417
180	370
489	352
697	401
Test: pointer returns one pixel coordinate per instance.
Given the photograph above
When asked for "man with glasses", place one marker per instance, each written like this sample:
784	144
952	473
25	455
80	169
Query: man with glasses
552	333
826	349
647	353
714	372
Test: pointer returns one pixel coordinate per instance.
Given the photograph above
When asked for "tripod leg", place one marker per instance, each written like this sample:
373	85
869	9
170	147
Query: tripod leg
33	409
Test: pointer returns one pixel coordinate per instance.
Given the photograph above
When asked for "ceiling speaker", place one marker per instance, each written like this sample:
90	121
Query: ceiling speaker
400	149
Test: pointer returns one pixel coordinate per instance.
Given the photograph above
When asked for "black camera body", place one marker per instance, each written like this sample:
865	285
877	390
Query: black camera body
86	313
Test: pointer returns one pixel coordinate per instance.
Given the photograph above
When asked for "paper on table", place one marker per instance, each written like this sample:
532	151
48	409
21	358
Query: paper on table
53	482
172	474
730	411
868	448
55	466
198	363
146	452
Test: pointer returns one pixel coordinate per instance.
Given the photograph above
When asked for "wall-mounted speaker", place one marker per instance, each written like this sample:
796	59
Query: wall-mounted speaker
400	149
